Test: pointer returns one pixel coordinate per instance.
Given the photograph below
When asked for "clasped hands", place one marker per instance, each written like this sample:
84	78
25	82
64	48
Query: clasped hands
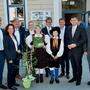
71	46
54	57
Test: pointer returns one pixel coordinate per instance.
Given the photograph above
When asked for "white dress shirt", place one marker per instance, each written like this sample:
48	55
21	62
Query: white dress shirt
62	33
1	40
17	34
73	30
48	29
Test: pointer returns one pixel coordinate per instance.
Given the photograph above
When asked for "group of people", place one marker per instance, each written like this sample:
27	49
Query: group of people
53	48
11	48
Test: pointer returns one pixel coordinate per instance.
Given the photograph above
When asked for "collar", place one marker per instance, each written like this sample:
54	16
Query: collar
62	28
75	26
38	35
49	28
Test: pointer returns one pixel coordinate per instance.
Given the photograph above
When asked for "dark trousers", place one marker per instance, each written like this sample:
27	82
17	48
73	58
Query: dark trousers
76	62
65	63
17	66
11	74
2	61
17	61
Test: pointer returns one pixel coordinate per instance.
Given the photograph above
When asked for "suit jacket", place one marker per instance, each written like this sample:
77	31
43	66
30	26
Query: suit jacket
66	50
65	36
27	33
88	40
79	39
9	48
22	39
45	31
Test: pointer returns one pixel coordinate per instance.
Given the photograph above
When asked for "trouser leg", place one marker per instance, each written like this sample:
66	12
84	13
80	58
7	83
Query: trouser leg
2	62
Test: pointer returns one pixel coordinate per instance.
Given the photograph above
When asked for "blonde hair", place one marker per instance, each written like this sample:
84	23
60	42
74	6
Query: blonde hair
55	42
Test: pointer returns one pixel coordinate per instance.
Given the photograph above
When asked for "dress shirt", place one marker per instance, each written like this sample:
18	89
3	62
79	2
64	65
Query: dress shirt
73	30
48	29
62	33
17	34
1	40
15	43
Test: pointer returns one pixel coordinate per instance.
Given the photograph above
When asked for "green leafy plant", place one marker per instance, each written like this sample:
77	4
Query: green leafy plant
29	62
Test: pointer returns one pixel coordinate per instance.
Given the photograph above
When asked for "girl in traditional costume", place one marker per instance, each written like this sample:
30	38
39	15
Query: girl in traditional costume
54	49
36	41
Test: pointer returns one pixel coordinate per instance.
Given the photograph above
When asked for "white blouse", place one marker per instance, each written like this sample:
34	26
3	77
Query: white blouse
48	49
29	39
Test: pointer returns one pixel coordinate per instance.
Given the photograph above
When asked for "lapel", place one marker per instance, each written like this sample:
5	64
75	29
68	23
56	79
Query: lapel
70	32
47	32
65	31
11	43
20	34
75	34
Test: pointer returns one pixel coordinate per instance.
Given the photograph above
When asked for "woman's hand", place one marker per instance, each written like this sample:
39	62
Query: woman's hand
55	57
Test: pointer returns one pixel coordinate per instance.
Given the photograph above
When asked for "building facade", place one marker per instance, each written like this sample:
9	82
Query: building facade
35	10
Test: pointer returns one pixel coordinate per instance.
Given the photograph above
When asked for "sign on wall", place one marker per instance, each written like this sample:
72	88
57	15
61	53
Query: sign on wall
40	15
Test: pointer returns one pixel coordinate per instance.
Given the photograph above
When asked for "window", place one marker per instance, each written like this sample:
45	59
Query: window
74	4
16	9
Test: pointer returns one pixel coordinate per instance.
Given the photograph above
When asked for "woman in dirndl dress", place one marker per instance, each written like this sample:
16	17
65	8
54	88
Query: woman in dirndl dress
37	41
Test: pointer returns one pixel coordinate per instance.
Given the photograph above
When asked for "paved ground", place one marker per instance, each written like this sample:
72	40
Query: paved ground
63	81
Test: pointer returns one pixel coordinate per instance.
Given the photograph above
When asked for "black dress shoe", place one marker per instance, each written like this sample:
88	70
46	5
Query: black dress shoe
88	83
47	70
52	80
37	78
13	88
3	86
72	80
41	78
57	80
78	83
16	84
67	76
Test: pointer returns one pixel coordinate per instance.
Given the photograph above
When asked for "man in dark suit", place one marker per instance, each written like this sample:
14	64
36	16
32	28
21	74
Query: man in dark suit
76	39
2	56
46	31
87	51
48	27
65	58
20	36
